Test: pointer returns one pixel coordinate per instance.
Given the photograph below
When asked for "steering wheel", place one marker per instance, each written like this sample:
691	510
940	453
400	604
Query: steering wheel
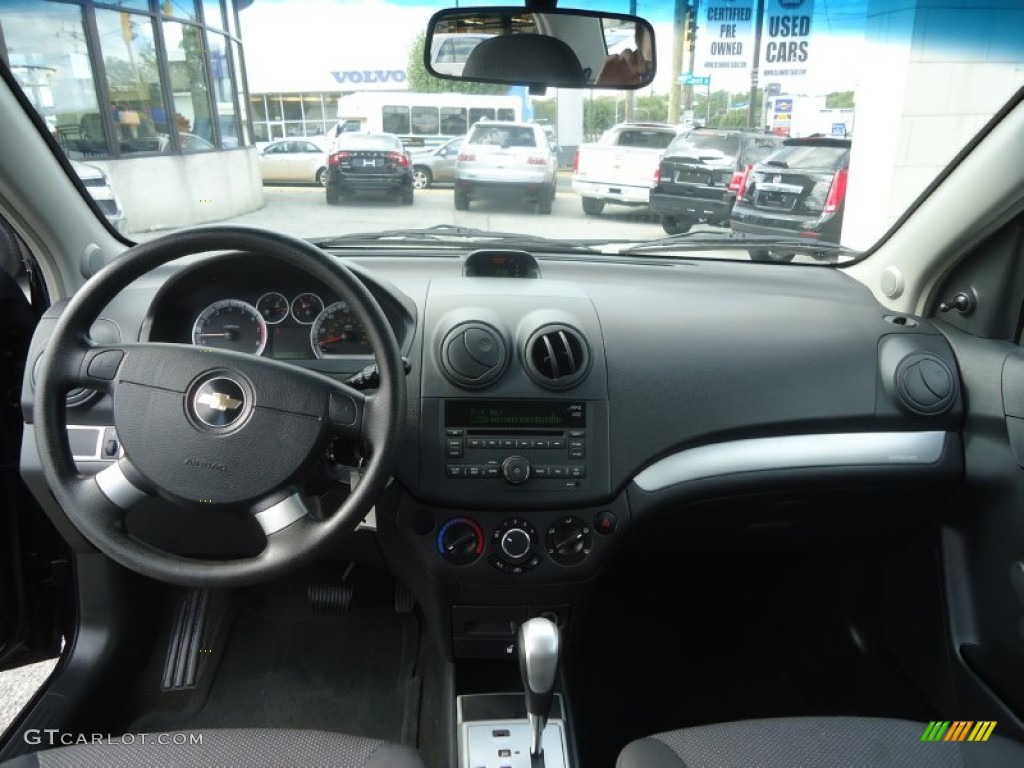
211	427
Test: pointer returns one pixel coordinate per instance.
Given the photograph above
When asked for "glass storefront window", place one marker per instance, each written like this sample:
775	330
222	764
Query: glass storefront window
395	119
331	108
261	131
223	89
47	55
136	97
293	129
180	9
129	5
292	107
188	83
243	112
213	14
258	107
312	107
507	114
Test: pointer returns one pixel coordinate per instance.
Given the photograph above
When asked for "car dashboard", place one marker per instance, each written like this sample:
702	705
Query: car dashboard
563	408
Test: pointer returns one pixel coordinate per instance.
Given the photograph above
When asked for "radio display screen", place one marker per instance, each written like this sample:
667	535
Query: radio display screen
515	414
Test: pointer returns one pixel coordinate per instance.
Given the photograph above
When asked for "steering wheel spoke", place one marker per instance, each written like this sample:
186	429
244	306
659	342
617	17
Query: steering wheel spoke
276	518
118	486
346	411
87	365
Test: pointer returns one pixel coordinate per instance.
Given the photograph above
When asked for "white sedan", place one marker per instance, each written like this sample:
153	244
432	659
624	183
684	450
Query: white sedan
295	161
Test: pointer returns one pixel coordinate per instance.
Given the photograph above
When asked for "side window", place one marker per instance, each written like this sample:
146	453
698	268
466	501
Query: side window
477	114
351	126
395	119
425	121
274	149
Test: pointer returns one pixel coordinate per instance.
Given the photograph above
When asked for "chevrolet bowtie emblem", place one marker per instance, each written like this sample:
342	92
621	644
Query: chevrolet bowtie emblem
218	401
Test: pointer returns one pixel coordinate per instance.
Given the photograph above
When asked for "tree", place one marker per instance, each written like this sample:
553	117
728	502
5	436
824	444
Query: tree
839	100
421	81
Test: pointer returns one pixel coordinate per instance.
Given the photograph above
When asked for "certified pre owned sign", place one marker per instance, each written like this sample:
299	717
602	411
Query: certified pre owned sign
219	402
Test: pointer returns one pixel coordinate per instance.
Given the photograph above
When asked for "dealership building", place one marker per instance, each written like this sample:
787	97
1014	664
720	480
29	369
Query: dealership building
141	90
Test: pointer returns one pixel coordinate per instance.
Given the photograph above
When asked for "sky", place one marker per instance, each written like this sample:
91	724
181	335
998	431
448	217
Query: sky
293	47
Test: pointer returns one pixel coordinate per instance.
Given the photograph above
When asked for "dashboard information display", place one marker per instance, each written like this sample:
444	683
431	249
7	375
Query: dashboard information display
515	414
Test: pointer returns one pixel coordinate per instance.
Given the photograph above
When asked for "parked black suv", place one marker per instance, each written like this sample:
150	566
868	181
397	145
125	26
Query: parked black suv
799	190
699	174
368	162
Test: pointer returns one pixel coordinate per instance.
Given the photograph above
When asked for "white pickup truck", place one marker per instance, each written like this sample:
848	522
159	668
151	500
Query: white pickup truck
620	166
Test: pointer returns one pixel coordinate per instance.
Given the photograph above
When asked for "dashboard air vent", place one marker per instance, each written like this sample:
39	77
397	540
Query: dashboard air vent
473	355
557	356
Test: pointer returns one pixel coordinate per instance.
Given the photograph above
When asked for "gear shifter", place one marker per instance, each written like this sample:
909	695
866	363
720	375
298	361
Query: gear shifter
539	646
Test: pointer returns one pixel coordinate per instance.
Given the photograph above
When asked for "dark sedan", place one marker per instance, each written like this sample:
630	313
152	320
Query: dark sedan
800	190
374	163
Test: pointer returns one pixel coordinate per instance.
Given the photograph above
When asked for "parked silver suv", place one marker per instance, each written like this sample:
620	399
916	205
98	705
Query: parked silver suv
503	159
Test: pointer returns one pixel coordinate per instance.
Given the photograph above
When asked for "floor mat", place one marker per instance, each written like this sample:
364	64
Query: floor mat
353	673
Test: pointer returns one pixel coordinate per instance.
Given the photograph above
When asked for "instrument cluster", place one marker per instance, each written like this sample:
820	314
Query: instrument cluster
282	325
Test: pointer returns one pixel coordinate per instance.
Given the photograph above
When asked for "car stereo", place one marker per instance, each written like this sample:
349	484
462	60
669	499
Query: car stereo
536	442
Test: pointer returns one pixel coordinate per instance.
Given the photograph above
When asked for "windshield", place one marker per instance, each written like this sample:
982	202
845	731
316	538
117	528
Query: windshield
208	85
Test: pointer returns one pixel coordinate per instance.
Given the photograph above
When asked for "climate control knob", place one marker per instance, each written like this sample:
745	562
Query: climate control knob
515	470
460	541
516	544
568	540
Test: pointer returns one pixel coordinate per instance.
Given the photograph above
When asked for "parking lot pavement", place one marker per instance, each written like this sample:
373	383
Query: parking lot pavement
17	686
303	211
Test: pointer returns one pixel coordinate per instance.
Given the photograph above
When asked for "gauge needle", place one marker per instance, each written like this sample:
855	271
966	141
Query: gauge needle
331	340
216	335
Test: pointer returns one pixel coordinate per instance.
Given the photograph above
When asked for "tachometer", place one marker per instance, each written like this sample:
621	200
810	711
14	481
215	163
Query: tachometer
306	306
337	331
273	307
231	324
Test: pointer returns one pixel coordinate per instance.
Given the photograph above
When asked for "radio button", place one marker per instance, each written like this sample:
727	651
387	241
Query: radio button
490	443
474	471
524	443
516	470
558	471
454	448
508	443
577	433
455	470
453	432
577	471
492	471
557	444
541	471
540	443
474	442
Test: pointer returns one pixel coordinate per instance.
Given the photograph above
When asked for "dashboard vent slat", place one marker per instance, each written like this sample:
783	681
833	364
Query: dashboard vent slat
557	356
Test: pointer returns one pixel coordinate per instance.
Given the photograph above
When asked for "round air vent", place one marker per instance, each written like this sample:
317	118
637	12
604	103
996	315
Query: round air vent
925	384
557	356
473	355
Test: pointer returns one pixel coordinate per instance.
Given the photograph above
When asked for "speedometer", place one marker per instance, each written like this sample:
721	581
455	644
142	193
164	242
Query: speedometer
231	324
337	331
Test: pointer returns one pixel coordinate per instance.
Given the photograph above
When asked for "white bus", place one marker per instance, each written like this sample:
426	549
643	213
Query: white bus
422	119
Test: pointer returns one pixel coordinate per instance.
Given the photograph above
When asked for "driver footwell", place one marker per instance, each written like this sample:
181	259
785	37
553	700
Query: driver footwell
283	663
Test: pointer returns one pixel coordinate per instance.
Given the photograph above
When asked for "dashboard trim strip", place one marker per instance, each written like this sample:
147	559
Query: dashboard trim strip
792	452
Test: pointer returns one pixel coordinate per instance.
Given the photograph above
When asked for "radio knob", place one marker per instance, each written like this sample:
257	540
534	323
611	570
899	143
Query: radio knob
515	470
516	544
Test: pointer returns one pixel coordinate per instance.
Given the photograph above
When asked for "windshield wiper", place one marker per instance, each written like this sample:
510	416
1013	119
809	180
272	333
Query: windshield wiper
727	240
446	234
776	163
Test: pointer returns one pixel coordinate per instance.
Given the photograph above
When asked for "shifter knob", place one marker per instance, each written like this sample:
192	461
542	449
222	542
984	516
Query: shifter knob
539	647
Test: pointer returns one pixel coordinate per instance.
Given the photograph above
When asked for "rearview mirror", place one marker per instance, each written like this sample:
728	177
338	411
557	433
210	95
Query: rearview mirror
558	47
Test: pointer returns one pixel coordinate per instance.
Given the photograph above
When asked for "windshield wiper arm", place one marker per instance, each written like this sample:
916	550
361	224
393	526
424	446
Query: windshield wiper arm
448	233
724	240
